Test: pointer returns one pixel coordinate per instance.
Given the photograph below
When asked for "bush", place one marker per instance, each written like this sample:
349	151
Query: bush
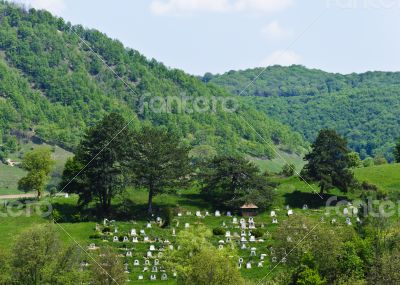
367	186
56	215
95	236
257	233
288	170
106	230
219	231
169	216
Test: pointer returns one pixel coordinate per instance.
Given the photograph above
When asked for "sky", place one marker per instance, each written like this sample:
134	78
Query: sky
216	36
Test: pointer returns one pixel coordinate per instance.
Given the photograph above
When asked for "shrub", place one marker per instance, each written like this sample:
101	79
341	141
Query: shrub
106	230
95	236
368	186
169	216
219	231
257	233
56	215
288	170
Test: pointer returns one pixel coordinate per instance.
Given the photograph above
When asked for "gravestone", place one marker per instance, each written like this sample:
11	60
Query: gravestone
135	240
126	239
164	277
154	269
253	251
234	221
187	225
305	207
345	211
136	262
147	262
248	265
129	254
140	277
217	213
115	239
148	225
133	232
229	214
290	212
153	277
252	238
274	221
198	214
273	214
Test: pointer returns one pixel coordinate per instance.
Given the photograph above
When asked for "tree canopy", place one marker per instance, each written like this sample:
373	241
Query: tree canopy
99	169
328	162
229	182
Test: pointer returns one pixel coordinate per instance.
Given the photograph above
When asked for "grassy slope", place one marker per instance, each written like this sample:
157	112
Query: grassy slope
386	177
275	165
9	176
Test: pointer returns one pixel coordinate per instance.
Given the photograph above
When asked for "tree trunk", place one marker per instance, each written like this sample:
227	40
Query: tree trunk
150	203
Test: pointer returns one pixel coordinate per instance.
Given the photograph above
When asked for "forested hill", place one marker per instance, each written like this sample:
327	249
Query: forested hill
53	86
365	108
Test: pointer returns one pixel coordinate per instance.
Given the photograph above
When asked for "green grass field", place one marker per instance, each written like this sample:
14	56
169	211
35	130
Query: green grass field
386	176
275	165
9	175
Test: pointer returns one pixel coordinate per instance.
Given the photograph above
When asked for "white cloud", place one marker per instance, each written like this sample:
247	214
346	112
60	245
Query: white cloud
262	5
274	31
179	7
184	7
53	6
282	57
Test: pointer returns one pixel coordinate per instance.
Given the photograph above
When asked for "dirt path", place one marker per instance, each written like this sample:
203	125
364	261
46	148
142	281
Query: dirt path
17	196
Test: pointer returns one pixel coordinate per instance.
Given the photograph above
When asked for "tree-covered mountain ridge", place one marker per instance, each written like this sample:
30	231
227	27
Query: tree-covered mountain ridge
364	108
54	84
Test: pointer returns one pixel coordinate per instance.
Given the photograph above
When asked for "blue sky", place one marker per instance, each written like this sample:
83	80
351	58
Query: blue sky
219	35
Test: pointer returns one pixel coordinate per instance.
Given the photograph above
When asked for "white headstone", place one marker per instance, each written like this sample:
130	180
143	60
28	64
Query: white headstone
234	220
164	276
148	225
274	221
135	240
305	207
273	214
217	213
248	265
345	211
229	214
187	225
129	254
290	212
198	214
153	277
133	232
115	239
126	239
136	262
140	277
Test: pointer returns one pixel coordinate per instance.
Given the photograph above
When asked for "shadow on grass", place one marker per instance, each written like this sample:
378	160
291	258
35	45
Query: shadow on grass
297	199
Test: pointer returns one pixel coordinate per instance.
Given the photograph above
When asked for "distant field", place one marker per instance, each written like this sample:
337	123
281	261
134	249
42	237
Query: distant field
386	177
9	176
275	165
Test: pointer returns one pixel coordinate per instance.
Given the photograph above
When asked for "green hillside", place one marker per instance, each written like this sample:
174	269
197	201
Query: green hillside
53	87
386	176
365	108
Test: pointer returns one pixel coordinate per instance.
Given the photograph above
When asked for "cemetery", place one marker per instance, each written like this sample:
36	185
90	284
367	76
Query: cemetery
142	245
